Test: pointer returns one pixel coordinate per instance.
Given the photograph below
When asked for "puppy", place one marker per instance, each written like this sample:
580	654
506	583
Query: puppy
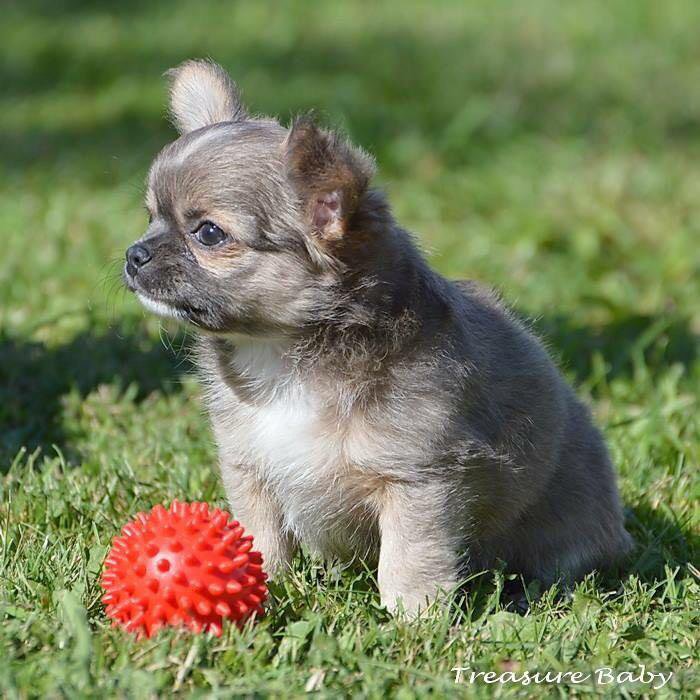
363	405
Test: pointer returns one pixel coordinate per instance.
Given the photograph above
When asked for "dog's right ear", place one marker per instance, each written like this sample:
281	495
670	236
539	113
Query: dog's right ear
202	93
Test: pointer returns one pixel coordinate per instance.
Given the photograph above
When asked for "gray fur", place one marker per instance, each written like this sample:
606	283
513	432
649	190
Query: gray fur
363	404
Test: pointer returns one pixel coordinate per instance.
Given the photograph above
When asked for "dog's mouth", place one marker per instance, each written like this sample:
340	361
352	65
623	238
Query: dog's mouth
160	307
163	305
168	309
159	304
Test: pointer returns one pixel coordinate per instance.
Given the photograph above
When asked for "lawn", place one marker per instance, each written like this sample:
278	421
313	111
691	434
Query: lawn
549	149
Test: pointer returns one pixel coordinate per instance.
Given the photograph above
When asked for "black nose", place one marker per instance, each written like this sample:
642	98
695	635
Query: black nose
137	256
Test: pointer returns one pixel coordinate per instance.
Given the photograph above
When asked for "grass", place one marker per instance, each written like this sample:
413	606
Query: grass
550	149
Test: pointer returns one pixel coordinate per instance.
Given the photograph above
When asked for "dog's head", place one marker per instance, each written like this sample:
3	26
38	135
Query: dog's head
247	219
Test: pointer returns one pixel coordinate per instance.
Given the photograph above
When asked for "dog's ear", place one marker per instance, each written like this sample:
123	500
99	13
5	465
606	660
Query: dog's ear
329	175
202	93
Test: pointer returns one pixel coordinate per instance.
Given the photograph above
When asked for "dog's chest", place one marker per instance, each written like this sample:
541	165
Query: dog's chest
292	442
315	459
318	471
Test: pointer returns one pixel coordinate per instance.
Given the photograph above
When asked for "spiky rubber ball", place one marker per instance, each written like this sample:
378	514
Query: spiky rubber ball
188	566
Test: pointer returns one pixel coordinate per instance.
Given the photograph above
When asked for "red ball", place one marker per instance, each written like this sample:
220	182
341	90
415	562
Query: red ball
189	566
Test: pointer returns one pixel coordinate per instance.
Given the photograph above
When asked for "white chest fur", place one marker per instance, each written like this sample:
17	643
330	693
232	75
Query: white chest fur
316	461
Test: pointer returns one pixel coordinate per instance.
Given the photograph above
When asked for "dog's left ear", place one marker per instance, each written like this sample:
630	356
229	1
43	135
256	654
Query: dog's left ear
329	174
202	93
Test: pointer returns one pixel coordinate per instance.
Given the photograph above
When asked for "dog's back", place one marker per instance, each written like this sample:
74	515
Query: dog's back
544	484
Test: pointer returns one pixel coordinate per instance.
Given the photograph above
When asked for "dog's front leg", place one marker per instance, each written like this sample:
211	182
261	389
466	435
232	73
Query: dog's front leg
260	514
418	557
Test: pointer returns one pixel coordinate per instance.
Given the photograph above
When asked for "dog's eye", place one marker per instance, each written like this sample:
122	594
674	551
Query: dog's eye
210	234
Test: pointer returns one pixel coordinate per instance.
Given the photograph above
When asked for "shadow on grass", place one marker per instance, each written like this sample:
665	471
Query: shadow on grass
34	378
656	341
661	541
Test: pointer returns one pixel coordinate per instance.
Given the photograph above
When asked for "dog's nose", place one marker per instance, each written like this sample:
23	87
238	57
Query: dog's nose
137	256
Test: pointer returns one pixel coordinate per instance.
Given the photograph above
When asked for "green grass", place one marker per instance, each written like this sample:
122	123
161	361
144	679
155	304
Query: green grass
550	149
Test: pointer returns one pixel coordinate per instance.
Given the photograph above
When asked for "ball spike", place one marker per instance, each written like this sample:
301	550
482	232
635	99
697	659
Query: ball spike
245	546
219	519
222	608
216	589
233	587
240	560
254	599
229	537
203	607
226	566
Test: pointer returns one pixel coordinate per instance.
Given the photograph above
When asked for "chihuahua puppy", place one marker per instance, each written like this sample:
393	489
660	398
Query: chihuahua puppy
362	404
